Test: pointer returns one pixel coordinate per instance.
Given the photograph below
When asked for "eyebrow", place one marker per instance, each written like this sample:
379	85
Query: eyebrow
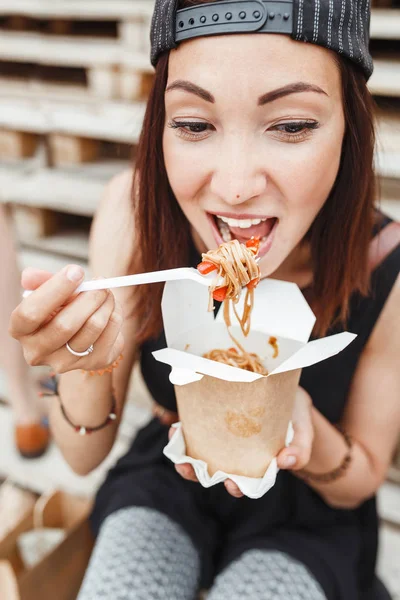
291	88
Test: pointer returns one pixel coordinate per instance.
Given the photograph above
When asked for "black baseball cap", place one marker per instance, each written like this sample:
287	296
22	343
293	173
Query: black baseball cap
340	25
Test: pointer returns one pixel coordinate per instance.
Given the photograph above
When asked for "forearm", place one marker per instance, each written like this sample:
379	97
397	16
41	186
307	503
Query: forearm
87	401
361	479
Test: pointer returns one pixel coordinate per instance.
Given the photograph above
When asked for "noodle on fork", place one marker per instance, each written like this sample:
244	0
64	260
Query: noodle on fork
236	268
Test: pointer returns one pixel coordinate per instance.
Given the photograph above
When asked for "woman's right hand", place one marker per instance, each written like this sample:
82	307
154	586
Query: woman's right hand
53	315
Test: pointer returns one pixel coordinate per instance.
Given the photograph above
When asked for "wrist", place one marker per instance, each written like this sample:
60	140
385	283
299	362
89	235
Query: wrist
86	399
331	454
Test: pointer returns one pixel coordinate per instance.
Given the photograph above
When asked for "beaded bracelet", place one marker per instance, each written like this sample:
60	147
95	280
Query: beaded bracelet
82	429
108	369
338	471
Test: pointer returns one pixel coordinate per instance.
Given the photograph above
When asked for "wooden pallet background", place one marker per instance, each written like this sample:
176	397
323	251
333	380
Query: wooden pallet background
74	78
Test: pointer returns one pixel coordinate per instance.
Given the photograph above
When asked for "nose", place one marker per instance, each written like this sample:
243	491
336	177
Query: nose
238	174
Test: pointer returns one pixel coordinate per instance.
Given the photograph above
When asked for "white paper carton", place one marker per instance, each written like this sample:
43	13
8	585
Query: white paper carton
234	420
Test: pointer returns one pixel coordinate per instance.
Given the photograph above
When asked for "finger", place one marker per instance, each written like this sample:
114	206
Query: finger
53	293
297	455
186	471
67	323
111	341
94	326
63	361
108	347
233	489
32	278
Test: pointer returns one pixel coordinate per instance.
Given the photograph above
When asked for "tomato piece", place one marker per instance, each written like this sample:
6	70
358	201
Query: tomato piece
220	293
253	283
233	350
206	267
253	244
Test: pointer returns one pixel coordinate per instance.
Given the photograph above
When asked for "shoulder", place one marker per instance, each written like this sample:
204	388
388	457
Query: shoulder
112	237
385	260
121	184
385	336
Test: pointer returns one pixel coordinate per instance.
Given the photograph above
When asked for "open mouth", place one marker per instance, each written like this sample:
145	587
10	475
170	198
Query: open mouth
227	228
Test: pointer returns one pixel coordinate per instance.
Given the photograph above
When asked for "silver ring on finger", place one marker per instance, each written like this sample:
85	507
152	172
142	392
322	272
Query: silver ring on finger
85	353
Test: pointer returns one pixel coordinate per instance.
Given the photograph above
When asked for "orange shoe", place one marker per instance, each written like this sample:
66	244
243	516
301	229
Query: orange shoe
32	439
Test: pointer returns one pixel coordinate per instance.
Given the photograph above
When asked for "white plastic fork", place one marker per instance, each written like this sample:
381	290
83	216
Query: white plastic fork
141	278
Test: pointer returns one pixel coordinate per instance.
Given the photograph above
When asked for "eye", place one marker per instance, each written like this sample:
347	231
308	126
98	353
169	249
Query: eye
190	129
295	131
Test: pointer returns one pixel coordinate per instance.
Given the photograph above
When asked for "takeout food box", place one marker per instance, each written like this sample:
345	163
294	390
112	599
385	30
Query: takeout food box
234	420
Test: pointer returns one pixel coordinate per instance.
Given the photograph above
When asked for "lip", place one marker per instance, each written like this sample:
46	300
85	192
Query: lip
215	230
264	247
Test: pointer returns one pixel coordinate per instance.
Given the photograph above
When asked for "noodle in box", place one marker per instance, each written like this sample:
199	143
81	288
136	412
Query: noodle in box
235	384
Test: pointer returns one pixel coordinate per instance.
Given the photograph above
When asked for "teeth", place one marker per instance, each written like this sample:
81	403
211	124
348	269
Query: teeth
225	232
242	223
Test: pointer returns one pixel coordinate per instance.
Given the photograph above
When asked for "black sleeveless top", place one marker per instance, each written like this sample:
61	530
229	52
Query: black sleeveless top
338	546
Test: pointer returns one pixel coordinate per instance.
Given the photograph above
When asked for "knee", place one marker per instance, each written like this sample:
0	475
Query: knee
264	575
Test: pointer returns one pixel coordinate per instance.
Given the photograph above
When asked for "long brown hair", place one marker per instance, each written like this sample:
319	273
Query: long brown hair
339	236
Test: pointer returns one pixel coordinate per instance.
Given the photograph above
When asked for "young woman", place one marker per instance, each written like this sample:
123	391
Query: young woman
245	134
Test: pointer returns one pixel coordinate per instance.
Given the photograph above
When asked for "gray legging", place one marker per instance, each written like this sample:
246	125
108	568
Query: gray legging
141	554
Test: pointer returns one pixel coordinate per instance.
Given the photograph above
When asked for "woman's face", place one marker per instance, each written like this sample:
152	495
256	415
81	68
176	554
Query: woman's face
252	139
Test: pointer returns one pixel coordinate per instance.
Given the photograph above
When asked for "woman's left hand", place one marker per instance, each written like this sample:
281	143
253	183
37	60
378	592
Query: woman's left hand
294	457
298	454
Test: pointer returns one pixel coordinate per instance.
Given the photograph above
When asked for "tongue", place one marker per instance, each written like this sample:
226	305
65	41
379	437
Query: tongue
260	230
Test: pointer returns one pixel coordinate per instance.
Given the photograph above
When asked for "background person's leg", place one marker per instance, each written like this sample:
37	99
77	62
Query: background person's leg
141	554
265	575
32	437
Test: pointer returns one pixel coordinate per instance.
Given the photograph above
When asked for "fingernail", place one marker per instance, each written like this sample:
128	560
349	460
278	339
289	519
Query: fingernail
289	461
75	273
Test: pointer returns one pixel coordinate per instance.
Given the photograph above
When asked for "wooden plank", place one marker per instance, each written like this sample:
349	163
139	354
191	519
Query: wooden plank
385	80
389	502
71	51
12	171
390	208
31	257
390	201
103	82
388	144
135	60
59	50
67	244
79	9
113	121
388	560
134	85
17	144
385	24
68	149
394	475
135	35
388	163
75	190
33	223
33	88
